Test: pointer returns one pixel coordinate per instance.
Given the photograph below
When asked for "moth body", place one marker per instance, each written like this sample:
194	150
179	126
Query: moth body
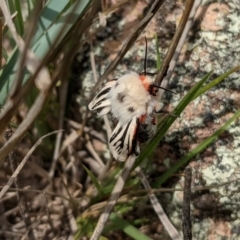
133	101
129	98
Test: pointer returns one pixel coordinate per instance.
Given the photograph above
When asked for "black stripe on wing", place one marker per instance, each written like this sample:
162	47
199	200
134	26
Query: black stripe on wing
101	100
123	141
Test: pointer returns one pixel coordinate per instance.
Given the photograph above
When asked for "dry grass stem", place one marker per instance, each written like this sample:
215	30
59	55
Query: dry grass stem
23	162
91	149
113	197
56	154
95	75
180	45
172	231
186	210
22	202
29	190
172	48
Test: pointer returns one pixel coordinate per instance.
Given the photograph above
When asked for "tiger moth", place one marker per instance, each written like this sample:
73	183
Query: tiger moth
133	102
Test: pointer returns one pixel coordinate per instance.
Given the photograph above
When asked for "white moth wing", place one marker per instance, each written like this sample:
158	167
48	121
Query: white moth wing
123	141
101	101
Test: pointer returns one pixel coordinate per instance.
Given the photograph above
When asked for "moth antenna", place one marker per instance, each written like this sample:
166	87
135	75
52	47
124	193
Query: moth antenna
153	85
151	74
145	58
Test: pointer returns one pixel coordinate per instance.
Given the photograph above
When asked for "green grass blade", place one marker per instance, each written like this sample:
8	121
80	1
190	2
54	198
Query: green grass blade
168	121
216	81
129	229
7	73
49	15
195	151
48	40
5	54
94	180
19	18
29	6
12	9
159	59
11	6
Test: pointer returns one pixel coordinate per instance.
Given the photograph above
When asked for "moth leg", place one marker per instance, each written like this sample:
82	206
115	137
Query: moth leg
167	112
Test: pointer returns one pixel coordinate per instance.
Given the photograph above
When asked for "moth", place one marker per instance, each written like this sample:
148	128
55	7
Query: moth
133	102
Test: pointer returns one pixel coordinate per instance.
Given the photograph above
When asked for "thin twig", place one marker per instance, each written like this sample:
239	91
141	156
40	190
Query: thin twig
95	77
27	189
16	86
63	96
23	162
32	114
91	149
165	64
180	44
54	194
22	202
113	198
1	42
186	213
183	37
172	231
